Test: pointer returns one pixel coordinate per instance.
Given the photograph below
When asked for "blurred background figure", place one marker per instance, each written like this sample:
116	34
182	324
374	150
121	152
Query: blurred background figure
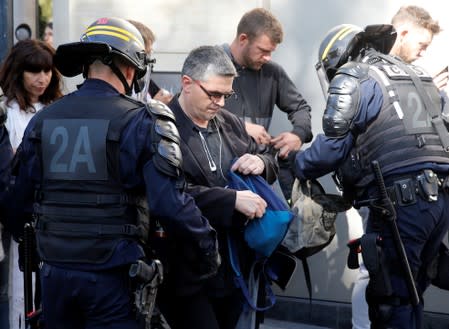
29	82
149	38
48	34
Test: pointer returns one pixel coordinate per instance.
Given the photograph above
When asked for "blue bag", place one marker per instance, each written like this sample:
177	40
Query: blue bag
263	234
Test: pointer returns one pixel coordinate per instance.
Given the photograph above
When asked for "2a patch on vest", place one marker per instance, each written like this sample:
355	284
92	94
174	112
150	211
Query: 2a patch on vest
75	149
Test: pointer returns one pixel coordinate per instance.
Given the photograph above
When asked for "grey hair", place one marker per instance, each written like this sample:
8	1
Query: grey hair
206	61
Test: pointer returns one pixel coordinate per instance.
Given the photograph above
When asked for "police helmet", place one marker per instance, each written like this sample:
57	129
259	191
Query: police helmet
344	43
103	39
335	49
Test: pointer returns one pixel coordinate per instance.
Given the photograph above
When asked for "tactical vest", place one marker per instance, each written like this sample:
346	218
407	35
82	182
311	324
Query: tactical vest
82	209
402	134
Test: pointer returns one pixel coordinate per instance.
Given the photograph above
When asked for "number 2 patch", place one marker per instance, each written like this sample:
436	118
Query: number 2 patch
74	149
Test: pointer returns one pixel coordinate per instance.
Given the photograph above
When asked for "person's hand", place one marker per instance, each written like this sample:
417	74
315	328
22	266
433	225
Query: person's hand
258	132
250	204
249	164
209	262
164	96
286	142
441	78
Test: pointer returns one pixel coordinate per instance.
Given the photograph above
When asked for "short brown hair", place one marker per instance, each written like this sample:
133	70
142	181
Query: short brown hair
148	36
260	21
417	16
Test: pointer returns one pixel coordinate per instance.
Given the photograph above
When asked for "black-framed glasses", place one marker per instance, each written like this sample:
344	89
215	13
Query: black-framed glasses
214	96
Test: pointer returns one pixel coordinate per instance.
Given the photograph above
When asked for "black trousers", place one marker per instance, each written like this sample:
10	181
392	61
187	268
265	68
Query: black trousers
4	281
200	311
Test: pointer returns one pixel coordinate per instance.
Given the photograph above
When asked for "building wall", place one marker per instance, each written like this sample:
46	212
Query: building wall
181	25
6	34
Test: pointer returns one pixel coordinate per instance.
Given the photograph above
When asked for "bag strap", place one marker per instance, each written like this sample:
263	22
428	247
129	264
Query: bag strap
305	266
240	281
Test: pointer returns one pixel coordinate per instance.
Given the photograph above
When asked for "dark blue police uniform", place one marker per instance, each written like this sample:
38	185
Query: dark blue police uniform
6	155
88	204
422	224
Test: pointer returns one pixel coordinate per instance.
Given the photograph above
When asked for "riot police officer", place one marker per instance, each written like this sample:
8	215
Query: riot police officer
87	161
382	109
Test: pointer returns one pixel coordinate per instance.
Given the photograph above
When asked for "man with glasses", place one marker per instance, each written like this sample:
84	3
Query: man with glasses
211	138
261	84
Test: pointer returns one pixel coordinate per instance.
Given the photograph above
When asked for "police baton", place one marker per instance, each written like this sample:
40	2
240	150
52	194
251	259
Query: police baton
389	214
31	315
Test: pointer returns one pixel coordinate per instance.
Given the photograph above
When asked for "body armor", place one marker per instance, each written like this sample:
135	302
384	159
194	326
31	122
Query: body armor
402	134
82	208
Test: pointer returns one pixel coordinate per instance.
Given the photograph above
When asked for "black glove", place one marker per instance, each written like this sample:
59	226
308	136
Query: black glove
209	262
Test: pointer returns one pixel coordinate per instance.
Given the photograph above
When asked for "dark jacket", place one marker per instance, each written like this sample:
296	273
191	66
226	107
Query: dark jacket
257	92
217	203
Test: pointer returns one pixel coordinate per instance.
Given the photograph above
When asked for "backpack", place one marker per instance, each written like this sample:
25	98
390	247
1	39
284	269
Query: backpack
263	235
313	226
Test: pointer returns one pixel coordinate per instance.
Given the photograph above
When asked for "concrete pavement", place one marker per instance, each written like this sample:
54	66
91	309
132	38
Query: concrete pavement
276	324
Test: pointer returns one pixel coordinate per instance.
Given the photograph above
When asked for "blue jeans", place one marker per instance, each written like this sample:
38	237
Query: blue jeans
73	299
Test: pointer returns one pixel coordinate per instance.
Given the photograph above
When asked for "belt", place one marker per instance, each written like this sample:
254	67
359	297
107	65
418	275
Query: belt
404	191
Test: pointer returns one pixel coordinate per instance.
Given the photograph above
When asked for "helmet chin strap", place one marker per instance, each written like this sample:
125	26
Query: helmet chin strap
119	74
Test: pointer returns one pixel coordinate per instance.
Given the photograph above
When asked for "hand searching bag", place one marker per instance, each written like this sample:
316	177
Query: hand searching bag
263	234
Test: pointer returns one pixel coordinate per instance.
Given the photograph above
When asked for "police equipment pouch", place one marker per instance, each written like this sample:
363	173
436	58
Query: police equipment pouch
147	278
428	185
404	192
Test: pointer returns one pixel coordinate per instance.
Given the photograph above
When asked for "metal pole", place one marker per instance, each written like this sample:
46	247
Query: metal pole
6	29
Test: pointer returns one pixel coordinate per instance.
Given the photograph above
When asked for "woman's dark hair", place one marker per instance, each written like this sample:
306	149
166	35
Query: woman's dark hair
33	56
